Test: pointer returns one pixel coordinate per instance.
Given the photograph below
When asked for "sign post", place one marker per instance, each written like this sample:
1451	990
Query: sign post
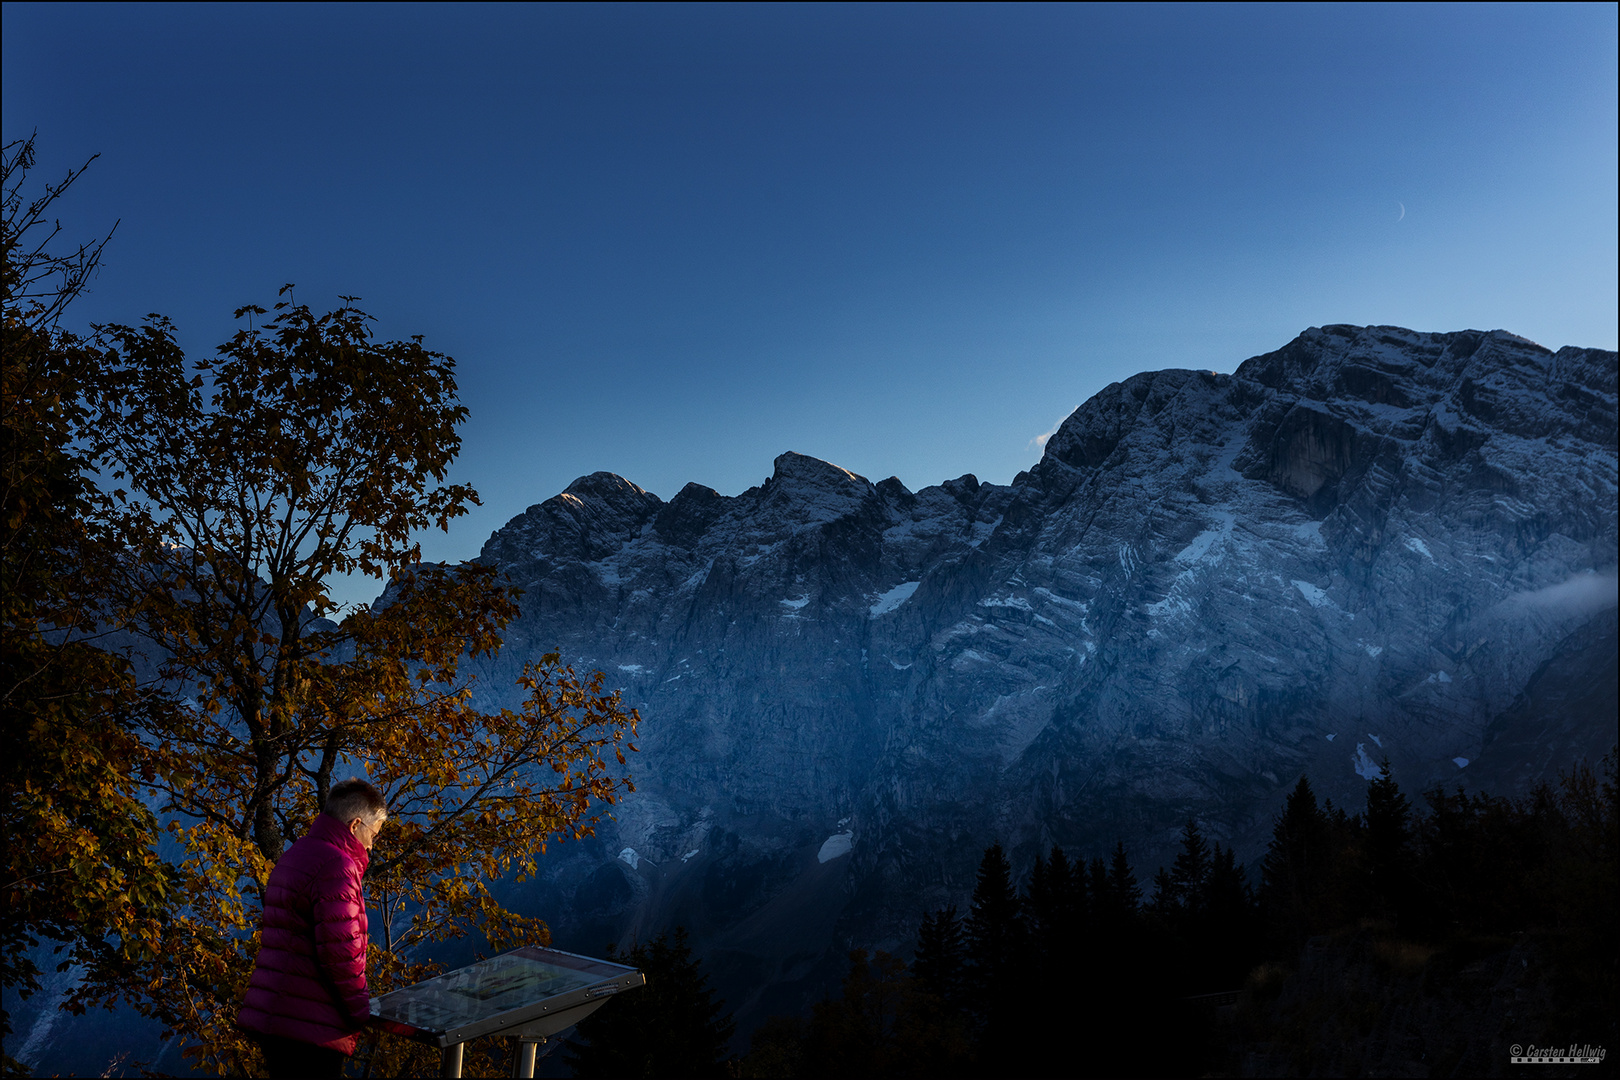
529	994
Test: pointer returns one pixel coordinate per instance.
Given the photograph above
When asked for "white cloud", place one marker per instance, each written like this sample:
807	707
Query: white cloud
1040	440
1583	594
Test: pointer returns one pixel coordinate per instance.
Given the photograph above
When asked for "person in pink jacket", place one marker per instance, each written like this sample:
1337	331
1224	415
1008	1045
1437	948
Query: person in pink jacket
307	1000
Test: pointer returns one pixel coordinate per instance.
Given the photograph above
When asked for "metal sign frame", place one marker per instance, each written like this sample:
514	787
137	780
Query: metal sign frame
531	1023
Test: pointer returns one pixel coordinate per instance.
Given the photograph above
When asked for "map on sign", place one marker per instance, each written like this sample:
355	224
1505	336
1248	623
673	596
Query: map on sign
484	990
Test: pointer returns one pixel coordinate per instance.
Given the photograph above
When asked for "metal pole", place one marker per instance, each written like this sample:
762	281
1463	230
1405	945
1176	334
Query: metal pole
526	1054
450	1061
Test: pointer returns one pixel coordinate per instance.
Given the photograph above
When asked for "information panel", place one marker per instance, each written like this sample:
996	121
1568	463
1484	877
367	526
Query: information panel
503	992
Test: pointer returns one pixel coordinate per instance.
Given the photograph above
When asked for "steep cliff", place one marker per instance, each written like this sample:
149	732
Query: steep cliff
1370	543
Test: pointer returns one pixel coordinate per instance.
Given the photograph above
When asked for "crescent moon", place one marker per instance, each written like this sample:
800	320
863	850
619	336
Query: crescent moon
1403	211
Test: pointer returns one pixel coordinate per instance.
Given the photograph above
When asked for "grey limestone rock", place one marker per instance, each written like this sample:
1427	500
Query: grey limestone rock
1372	543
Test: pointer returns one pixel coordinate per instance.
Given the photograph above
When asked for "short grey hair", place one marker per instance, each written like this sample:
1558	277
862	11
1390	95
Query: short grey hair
355	798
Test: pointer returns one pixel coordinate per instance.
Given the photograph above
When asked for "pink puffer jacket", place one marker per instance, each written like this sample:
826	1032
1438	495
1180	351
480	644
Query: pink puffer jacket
309	982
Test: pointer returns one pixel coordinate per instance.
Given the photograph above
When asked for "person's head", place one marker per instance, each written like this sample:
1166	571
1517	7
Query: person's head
359	806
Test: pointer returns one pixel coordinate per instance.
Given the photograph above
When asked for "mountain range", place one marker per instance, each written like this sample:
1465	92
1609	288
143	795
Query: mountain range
1371	545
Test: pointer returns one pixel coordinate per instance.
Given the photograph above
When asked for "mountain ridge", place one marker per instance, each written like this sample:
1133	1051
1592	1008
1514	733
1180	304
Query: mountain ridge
1209	585
1371	542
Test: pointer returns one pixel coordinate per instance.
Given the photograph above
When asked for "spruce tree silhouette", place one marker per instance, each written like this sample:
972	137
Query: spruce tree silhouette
996	948
1294	873
1189	875
1052	906
1097	891
995	925
1164	907
1119	975
673	1026
1230	924
1055	906
1389	838
1124	895
862	1032
1494	883
940	965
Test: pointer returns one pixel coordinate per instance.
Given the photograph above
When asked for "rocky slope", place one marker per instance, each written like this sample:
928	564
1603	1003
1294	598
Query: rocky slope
1371	543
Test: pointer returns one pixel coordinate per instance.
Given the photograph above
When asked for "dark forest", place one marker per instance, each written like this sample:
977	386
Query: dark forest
1388	941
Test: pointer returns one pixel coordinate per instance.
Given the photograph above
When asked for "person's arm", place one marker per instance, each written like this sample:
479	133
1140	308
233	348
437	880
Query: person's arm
340	944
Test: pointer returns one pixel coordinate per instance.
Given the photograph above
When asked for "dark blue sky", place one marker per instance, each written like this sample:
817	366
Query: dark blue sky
672	242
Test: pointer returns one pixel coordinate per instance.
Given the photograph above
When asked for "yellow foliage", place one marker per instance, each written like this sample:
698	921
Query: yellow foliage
304	449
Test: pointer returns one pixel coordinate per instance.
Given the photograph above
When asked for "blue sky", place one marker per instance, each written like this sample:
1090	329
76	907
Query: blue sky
672	242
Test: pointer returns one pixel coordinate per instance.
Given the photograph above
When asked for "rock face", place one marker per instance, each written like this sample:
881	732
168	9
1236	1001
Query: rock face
1371	543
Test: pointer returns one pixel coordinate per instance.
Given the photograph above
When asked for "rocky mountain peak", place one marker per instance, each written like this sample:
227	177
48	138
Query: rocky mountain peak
686	517
1089	437
1362	545
613	490
814	490
589	520
802	471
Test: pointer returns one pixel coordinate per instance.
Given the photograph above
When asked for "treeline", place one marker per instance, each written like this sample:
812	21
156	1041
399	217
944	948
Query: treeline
1356	932
1068	974
1389	941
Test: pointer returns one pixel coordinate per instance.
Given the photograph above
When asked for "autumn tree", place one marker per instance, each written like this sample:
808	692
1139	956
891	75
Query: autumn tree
303	449
81	871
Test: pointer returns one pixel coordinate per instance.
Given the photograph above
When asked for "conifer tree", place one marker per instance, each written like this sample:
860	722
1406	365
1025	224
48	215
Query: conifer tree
1069	909
1116	984
673	1026
1097	888
995	925
1165	906
1097	941
1229	925
941	960
1388	835
1070	879
1039	901
1056	897
1227	894
996	939
1189	876
1124	895
857	1034
1056	912
1294	870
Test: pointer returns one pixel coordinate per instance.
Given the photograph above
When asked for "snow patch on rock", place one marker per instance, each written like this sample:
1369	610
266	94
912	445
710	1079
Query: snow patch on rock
1313	596
1017	602
836	845
888	601
1414	544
